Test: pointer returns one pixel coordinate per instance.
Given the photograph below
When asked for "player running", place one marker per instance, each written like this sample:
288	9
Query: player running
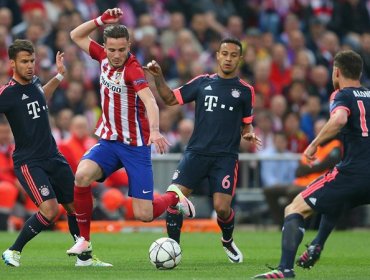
129	125
43	172
347	185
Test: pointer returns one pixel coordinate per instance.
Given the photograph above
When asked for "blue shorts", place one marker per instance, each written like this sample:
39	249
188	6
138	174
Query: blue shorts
337	191
221	172
47	179
113	155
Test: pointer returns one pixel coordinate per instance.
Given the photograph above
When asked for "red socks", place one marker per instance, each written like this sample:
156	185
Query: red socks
161	202
84	206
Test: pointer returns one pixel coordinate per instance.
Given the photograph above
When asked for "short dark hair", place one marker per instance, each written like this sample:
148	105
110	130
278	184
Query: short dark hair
116	31
18	46
232	41
350	64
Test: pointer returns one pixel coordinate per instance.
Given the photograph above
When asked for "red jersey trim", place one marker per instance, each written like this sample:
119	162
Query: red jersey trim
342	108
248	120
178	96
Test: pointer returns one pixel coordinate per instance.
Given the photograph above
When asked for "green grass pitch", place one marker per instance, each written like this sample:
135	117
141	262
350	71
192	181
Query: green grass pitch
346	256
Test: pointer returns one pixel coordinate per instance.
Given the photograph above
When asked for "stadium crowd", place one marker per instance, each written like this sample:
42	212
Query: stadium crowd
289	46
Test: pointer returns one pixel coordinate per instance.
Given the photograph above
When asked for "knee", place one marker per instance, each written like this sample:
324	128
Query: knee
82	179
222	211
50	213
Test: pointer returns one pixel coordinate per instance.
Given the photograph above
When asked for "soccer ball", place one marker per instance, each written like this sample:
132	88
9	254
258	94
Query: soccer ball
165	253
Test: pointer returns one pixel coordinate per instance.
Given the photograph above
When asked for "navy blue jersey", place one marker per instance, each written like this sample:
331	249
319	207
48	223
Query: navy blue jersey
221	107
355	134
26	110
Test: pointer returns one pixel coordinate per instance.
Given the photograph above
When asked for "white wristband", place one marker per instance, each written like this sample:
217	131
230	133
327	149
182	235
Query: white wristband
59	77
98	21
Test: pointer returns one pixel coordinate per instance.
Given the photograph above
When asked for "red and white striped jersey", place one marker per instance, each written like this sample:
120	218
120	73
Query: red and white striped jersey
123	113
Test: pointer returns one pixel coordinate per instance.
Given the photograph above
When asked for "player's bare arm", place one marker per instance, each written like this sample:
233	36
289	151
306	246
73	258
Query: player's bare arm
80	35
250	136
337	120
52	85
163	89
151	107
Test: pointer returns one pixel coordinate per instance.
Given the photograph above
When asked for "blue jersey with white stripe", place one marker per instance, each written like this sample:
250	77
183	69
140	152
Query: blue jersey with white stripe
27	112
355	134
221	107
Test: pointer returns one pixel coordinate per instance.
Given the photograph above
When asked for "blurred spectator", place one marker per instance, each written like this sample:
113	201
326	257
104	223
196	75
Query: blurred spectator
297	139
62	124
296	94
278	109
350	16
285	175
320	85
78	142
185	129
169	35
263	129
328	47
316	29
6	20
280	73
262	84
200	28
309	115
13	6
92	109
235	28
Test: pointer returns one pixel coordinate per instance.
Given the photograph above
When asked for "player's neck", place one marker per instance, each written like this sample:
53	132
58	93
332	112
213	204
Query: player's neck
226	76
20	80
349	83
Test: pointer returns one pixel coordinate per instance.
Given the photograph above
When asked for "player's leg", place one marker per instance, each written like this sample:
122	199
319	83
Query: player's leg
292	235
312	254
189	174
97	163
223	179
326	194
146	207
35	182
174	218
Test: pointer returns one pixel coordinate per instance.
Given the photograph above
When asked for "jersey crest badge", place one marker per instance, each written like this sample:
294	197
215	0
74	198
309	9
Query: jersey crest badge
175	174
44	190
117	77
235	93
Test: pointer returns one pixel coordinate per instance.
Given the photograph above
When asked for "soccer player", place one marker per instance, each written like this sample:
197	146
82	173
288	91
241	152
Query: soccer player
128	126
40	168
347	184
223	114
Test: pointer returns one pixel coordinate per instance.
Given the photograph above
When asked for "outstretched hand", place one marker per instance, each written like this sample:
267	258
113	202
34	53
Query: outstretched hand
59	62
253	138
160	142
153	68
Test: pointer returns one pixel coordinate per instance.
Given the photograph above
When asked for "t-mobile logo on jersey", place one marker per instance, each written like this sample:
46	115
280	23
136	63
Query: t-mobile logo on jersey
210	102
33	109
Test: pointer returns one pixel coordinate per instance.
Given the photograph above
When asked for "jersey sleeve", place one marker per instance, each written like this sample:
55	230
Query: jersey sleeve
96	51
6	100
340	100
188	92
248	106
135	76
